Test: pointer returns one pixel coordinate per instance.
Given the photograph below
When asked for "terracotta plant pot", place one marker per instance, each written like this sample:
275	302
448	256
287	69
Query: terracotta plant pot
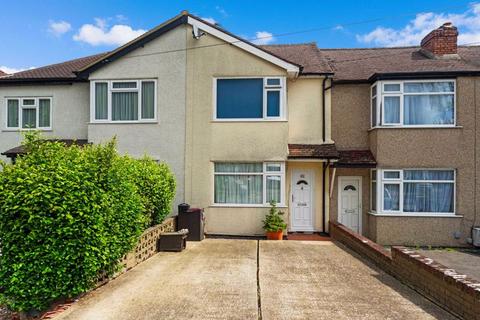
275	235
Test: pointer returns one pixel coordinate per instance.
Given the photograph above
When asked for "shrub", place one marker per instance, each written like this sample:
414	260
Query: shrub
66	214
273	220
156	186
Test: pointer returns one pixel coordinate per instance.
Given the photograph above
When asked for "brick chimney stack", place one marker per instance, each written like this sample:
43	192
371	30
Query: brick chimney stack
441	43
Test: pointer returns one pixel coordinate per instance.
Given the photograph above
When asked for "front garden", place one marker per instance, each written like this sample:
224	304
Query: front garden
68	214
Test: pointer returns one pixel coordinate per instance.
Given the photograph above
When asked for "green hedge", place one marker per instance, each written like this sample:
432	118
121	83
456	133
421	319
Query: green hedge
69	213
156	186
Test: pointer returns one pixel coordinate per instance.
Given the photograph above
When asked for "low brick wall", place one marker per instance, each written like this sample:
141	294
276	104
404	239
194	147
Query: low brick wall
455	292
146	247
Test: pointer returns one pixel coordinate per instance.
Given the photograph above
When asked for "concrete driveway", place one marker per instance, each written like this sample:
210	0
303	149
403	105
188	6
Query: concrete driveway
249	279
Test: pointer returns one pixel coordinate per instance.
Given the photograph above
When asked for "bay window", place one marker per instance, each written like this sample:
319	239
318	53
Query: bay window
254	183
413	191
123	100
249	98
29	113
413	103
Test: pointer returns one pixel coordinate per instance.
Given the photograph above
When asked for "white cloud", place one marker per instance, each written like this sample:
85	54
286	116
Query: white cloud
263	37
100	33
58	28
10	70
209	20
222	11
338	28
468	23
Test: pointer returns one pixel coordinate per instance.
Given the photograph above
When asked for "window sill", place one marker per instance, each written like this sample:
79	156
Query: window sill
419	215
22	130
415	127
247	120
124	122
218	205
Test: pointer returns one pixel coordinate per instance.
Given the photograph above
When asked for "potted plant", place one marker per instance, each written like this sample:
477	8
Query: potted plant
273	223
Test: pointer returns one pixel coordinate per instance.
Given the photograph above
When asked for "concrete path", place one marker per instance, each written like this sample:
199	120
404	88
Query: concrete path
217	279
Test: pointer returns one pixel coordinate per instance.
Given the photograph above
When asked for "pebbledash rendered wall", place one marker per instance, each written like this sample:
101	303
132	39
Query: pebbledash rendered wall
399	148
454	291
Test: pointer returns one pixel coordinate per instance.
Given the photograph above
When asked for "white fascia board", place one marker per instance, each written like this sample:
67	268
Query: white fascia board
292	69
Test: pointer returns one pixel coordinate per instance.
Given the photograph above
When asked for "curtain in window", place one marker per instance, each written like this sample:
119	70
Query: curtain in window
12	113
428	109
29	118
148	98
239	98
374	196
274	188
101	101
428	175
410	87
44	113
238	167
124	106
428	197
374	111
392	109
239	189
391	196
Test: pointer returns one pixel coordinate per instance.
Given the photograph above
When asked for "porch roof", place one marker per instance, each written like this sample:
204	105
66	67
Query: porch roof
19	150
313	151
355	159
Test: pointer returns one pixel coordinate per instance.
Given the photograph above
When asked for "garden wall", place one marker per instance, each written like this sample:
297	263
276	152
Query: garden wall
455	292
146	247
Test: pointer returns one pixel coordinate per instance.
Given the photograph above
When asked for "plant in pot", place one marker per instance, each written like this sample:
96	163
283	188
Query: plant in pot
273	223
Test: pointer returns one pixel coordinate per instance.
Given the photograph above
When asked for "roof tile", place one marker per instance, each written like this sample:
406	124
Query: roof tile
312	151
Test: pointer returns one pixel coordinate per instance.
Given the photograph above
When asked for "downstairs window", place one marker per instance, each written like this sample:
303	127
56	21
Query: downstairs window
29	113
249	183
429	191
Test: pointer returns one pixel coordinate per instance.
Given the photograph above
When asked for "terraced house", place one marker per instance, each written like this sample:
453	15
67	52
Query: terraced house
382	140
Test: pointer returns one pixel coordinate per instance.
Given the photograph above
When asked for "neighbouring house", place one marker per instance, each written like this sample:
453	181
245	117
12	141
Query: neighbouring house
242	125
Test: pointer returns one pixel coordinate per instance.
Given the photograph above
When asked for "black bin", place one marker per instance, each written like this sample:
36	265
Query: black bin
193	220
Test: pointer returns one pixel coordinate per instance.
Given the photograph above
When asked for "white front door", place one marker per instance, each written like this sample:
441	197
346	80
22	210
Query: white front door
350	206
301	218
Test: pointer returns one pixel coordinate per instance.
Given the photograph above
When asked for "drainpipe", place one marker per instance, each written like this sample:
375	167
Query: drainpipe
324	90
324	205
325	164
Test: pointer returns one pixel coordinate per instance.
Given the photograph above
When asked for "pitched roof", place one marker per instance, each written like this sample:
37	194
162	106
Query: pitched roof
64	70
306	55
362	64
312	151
2	74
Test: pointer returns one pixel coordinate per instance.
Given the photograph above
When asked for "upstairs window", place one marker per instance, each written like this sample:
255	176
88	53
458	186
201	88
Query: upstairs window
250	99
124	101
413	103
29	113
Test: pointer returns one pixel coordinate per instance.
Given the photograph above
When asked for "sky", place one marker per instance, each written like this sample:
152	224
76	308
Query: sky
36	33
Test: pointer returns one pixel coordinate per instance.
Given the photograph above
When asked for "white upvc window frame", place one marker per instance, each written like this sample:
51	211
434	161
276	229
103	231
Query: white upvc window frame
374	179
265	173
380	103
111	89
381	181
35	106
282	88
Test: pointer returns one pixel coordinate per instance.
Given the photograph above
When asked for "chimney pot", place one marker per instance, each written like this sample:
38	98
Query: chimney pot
441	42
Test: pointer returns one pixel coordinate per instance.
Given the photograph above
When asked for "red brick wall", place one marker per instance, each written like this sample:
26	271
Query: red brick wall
441	41
455	292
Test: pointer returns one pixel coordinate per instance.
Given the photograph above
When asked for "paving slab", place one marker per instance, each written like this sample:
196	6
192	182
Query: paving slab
213	279
466	261
325	280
